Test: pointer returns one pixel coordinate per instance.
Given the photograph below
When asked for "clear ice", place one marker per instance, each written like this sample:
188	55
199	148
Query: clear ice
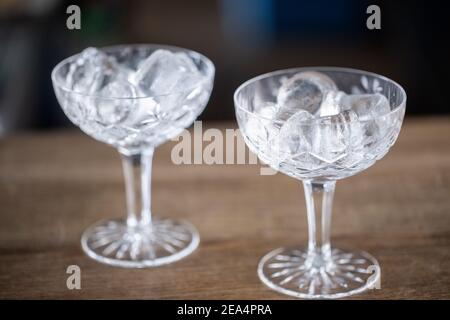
303	91
125	104
91	71
321	125
164	72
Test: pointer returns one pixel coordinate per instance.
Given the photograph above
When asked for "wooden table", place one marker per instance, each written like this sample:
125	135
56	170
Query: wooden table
55	184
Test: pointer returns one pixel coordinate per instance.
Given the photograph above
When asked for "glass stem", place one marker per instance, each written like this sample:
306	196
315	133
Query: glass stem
137	171
319	202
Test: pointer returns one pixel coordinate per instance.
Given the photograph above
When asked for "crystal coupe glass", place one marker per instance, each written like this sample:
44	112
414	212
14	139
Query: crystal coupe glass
319	150
171	88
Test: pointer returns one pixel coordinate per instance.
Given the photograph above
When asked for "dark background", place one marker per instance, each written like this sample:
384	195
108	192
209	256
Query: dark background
243	38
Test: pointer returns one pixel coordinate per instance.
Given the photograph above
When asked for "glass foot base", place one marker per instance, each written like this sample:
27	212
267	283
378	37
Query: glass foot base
294	273
164	241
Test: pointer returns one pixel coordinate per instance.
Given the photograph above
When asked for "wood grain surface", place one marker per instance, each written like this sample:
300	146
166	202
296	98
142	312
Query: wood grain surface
55	184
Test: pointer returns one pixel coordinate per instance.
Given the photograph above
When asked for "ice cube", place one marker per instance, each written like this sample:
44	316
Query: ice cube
91	71
145	114
268	111
371	109
303	91
293	139
115	102
366	106
164	72
330	105
332	137
187	61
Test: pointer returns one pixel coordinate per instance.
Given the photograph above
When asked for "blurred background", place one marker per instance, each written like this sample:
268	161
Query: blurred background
243	38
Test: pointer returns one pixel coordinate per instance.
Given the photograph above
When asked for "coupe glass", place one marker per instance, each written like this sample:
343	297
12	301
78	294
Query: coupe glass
319	271
147	121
